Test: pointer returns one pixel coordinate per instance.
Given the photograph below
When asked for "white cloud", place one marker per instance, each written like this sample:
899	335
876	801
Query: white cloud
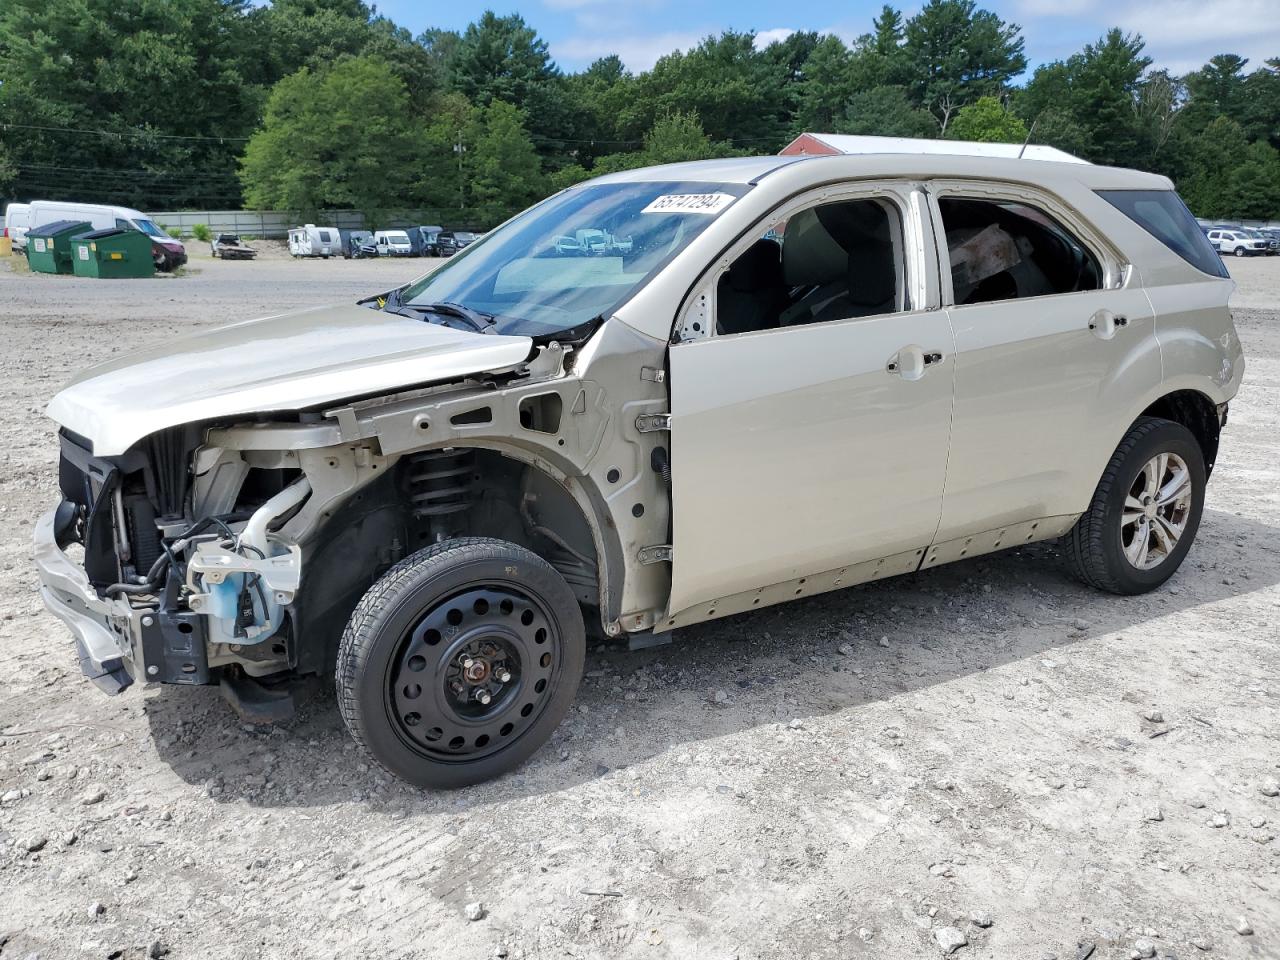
1180	35
776	35
1053	8
638	52
1183	34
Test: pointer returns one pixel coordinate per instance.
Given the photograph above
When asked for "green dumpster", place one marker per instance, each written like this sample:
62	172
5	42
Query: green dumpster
112	254
49	247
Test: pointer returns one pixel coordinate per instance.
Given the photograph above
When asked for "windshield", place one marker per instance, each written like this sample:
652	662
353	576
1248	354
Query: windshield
533	282
150	229
398	237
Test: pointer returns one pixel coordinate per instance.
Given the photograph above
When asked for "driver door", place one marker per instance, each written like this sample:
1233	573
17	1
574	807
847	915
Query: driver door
814	436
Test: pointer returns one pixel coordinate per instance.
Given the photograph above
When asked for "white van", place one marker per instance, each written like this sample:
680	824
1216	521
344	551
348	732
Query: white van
393	243
17	220
167	252
313	241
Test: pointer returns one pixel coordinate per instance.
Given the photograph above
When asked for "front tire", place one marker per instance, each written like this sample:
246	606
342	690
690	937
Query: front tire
460	662
1240	251
1145	511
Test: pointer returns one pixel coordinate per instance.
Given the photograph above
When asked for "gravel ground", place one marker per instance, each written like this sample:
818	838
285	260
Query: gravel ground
985	752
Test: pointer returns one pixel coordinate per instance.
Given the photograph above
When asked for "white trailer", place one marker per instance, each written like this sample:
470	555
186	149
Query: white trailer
312	241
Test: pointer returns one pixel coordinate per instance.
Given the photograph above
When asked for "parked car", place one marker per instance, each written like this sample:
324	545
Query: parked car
567	246
424	238
1237	242
229	246
17	220
1268	236
357	244
312	241
433	495
449	242
393	243
166	252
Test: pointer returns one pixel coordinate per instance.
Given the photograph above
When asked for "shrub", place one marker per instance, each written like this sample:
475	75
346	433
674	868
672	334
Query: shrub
201	232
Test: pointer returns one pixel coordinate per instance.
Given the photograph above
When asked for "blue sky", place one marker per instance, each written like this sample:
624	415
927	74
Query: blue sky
1181	34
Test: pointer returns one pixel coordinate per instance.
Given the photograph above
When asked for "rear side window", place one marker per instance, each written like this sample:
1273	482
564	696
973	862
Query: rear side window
1163	215
1001	250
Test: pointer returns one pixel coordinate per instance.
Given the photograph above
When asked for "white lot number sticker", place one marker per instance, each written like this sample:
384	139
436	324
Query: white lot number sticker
689	203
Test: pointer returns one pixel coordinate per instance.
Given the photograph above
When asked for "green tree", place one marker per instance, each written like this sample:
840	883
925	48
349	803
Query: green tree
602	94
734	88
791	53
1202	162
1217	89
957	53
885	111
1099	90
1252	185
502	168
503	58
1260	110
674	138
291	34
827	86
337	137
8	170
174	70
987	121
441	165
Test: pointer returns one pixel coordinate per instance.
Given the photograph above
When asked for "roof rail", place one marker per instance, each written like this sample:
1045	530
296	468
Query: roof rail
832	144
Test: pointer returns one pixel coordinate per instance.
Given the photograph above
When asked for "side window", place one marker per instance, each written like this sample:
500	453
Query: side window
835	261
1002	250
123	224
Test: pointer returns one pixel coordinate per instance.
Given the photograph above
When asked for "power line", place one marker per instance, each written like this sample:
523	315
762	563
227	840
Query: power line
121	134
149	135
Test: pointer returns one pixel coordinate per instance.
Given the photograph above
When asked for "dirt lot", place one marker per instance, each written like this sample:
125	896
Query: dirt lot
986	748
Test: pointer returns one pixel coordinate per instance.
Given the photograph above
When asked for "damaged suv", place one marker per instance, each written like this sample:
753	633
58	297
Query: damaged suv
798	374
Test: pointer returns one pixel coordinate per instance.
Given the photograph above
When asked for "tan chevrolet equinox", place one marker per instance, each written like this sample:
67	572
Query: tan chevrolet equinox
653	399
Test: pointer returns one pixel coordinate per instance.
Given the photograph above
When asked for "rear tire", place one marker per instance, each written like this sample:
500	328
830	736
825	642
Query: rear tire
460	662
1144	513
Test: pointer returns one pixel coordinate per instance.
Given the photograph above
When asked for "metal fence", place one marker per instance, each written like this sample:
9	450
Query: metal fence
276	224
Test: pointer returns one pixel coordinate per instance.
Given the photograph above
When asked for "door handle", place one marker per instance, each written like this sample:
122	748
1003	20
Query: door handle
911	362
1104	324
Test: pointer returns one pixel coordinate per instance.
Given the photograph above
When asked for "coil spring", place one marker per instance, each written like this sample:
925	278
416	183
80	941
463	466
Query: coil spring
440	481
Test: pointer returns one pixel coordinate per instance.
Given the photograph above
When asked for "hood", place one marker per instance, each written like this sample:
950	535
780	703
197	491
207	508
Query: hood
286	362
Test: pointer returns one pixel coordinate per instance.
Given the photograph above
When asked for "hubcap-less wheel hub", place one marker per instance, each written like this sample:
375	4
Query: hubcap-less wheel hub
1156	510
473	674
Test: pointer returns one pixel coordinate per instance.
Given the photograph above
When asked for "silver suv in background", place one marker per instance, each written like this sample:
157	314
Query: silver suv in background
1238	242
797	375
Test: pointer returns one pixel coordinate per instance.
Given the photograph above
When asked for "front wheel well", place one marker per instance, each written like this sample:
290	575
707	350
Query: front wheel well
1197	413
429	498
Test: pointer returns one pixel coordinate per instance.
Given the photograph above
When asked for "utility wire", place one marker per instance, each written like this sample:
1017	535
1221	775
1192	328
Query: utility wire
146	134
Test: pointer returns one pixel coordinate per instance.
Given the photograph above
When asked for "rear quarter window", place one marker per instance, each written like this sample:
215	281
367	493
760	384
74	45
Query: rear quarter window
1163	215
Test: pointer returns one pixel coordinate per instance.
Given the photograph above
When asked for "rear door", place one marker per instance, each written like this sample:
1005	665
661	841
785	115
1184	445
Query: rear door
1055	337
811	409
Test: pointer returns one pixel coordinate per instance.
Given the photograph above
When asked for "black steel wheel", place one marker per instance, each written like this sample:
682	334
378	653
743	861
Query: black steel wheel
460	662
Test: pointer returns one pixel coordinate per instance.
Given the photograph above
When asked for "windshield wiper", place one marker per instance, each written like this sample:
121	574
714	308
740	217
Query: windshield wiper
481	322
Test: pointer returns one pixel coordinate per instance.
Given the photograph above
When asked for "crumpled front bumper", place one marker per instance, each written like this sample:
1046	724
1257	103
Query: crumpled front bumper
106	631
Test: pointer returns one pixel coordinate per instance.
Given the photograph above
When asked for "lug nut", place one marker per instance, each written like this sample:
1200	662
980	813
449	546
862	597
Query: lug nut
504	676
482	696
